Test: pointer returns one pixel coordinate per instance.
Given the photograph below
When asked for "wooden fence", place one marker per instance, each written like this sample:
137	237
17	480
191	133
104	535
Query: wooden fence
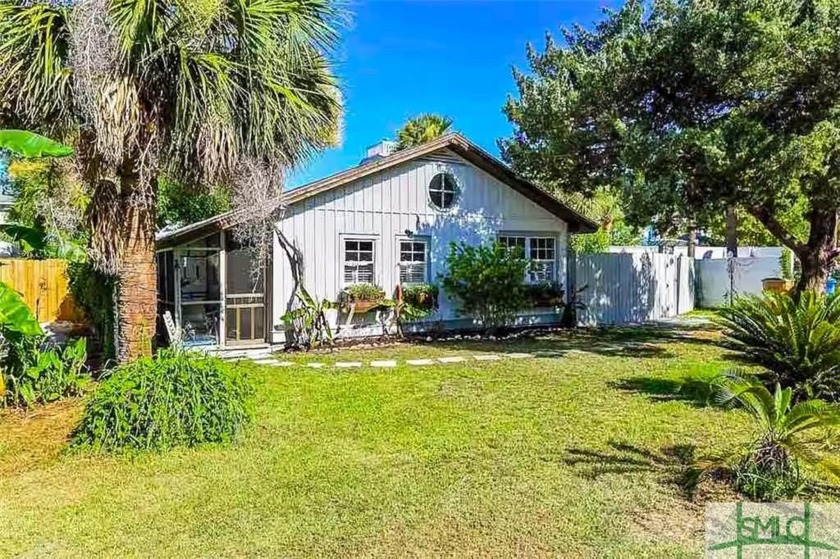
43	285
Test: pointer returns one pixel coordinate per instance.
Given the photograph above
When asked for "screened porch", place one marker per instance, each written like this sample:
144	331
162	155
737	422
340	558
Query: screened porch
214	293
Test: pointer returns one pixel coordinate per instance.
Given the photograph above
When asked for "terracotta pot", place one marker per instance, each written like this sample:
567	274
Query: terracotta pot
361	307
547	302
777	285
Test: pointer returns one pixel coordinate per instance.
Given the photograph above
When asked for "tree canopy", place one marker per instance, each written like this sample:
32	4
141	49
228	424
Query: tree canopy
686	108
205	92
421	129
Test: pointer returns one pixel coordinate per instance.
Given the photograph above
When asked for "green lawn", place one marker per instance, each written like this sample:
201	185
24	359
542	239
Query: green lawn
575	453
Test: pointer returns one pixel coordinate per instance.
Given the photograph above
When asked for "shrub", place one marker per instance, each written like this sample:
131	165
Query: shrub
93	293
798	341
173	399
32	371
787	437
38	374
487	281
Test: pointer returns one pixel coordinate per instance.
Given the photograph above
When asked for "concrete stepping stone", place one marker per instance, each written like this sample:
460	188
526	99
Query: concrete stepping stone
265	361
348	364
452	359
420	362
489	357
281	364
519	355
383	363
315	365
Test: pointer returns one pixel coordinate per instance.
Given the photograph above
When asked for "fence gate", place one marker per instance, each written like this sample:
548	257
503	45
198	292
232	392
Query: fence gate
631	288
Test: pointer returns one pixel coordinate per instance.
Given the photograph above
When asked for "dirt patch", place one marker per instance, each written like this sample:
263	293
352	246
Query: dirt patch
36	436
681	524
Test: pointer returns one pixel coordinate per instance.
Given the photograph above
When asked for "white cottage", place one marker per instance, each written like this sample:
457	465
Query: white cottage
388	221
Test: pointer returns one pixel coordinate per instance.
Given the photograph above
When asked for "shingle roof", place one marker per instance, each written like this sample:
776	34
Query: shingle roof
455	142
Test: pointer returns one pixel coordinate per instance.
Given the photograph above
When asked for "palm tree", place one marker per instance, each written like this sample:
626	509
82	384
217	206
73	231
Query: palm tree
786	435
141	87
422	129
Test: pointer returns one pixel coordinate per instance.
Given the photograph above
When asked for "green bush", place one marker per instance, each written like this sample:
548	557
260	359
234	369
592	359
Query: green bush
487	281
31	372
93	293
173	399
797	341
34	374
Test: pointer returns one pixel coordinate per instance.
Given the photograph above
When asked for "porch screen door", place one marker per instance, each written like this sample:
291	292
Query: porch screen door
244	297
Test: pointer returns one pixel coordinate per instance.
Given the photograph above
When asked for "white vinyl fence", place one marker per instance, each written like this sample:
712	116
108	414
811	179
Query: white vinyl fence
632	288
719	280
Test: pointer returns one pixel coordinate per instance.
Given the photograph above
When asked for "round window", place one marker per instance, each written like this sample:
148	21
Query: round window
442	191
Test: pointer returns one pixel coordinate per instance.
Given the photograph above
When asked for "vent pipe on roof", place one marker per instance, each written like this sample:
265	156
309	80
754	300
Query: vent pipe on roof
378	151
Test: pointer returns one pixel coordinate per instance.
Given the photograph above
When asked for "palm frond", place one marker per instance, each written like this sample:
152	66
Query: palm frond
34	75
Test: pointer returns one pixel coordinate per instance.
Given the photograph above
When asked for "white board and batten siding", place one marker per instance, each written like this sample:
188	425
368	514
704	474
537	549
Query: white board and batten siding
383	206
633	288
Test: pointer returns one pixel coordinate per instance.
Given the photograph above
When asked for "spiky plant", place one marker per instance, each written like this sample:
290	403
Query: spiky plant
797	340
195	89
787	436
422	129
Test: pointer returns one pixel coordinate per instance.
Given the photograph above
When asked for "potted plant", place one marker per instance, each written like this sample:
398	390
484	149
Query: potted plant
423	296
545	294
361	297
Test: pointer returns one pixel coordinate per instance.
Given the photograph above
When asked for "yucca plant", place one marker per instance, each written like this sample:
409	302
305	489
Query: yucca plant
796	340
788	436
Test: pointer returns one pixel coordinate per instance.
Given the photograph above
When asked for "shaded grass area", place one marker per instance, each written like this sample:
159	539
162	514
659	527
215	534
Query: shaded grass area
544	456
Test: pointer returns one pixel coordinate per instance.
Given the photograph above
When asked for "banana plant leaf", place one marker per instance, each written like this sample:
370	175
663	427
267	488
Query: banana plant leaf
15	316
32	238
29	144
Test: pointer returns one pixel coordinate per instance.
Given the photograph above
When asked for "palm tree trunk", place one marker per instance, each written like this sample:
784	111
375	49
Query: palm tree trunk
137	276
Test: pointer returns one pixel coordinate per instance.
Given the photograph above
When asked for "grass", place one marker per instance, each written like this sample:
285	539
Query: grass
576	453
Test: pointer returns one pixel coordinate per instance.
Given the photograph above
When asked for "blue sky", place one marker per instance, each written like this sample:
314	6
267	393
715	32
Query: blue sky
399	59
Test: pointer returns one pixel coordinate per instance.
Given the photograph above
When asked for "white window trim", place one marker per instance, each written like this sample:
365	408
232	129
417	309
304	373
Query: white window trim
528	237
342	251
426	240
442	168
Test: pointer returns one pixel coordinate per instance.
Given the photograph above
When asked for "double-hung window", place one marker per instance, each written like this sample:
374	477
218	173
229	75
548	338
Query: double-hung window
413	261
514	242
540	252
359	261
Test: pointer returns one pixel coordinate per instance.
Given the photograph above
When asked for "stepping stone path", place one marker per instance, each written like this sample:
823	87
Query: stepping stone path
382	364
420	362
488	357
454	359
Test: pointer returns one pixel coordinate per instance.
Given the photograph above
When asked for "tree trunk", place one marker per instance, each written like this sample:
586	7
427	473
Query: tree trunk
137	277
731	231
818	255
692	240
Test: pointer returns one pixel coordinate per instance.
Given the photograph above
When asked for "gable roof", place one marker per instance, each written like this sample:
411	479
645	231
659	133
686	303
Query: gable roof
455	142
459	145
